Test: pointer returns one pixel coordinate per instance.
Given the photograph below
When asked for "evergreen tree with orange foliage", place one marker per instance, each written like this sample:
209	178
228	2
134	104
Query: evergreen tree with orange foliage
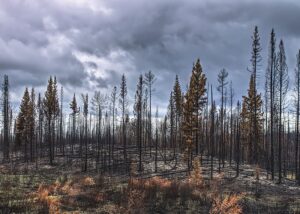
252	120
194	101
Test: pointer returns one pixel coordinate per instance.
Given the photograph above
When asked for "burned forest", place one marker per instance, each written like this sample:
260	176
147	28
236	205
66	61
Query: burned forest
116	151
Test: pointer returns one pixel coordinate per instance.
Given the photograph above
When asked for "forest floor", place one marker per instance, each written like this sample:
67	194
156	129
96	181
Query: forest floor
64	188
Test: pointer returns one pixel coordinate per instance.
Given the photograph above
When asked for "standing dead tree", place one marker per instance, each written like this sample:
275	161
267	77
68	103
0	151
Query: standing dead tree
6	119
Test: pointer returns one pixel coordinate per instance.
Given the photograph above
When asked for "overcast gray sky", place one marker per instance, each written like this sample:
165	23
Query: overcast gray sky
89	44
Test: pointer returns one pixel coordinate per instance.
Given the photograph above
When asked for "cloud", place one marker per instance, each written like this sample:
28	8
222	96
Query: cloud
88	45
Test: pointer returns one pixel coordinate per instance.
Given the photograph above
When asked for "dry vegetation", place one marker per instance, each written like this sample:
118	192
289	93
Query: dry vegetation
76	192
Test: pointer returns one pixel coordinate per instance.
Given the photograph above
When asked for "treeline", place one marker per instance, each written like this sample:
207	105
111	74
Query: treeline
105	135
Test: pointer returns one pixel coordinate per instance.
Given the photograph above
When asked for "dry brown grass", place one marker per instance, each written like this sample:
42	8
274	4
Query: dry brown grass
46	195
88	181
82	192
51	195
227	205
162	183
156	182
141	190
67	187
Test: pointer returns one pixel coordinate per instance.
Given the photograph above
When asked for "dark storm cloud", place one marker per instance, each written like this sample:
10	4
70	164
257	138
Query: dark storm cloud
88	45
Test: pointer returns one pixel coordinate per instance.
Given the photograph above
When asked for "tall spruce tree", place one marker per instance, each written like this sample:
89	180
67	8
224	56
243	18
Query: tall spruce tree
40	110
271	76
149	81
282	91
222	80
31	122
171	118
113	108
188	126
51	111
212	133
255	60
177	97
138	118
61	141
123	102
192	106
22	127
197	85
75	111
231	122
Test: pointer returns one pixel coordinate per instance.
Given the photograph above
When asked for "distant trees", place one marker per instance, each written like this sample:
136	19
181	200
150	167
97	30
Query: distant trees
217	131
